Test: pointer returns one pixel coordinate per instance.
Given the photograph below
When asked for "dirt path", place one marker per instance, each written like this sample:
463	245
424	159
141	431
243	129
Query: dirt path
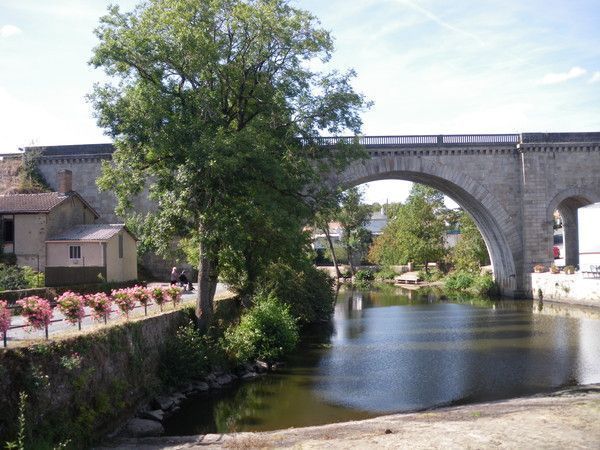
568	419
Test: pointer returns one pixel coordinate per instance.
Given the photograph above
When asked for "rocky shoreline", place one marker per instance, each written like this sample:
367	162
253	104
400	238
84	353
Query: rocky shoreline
567	418
148	421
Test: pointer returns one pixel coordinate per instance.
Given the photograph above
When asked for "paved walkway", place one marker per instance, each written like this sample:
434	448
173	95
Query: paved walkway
60	326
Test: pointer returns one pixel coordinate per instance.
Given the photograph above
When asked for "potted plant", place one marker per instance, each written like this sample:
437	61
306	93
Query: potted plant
539	268
554	269
569	270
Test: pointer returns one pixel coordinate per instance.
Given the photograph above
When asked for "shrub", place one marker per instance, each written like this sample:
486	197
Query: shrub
307	291
185	356
100	304
5	319
364	275
539	268
485	285
267	332
37	311
459	281
159	296
554	269
71	305
174	294
33	279
570	270
141	295
12	277
124	300
386	273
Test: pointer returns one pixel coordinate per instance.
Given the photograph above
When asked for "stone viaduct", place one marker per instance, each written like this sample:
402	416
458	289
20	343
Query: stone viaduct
510	183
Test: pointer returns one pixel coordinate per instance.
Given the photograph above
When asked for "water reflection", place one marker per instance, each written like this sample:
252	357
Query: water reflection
396	350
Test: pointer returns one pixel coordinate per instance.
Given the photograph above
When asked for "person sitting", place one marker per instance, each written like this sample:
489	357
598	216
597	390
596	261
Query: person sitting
183	281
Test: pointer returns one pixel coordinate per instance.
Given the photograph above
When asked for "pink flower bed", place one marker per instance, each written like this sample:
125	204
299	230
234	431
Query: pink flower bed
158	296
124	299
174	294
37	311
71	305
5	318
100	304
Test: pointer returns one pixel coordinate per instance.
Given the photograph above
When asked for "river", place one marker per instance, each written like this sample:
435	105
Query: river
396	350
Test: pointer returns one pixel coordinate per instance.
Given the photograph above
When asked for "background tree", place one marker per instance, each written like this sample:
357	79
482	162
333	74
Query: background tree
208	100
353	216
470	252
415	233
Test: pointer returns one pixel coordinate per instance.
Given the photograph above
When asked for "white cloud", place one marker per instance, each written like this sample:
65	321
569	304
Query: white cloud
9	30
555	78
595	77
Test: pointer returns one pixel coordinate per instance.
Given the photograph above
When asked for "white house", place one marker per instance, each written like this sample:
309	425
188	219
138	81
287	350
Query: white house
87	253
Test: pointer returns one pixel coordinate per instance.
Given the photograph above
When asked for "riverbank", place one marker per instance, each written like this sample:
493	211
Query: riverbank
565	419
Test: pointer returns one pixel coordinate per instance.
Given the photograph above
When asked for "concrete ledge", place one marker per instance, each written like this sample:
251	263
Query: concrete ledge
562	288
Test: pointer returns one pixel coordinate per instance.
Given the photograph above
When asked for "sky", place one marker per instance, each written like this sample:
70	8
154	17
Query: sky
429	66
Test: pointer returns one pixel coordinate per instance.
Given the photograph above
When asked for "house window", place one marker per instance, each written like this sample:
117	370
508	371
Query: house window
120	246
75	251
8	230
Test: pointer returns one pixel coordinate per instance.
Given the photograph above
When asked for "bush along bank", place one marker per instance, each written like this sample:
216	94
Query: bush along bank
470	283
237	347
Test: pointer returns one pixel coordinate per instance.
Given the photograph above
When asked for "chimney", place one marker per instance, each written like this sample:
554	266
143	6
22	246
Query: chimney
65	181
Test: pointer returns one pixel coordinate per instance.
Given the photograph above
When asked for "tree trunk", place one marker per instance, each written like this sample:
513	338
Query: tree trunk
338	274
349	251
206	290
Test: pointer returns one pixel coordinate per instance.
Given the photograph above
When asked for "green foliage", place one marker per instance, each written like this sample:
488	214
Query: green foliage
386	273
306	290
267	332
19	444
364	275
470	252
459	281
185	357
476	284
15	277
414	233
31	181
208	99
353	216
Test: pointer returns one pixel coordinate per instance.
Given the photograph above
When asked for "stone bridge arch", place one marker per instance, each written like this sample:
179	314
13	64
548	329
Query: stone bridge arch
494	222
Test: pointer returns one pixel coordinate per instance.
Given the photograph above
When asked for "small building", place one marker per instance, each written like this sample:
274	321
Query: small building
589	237
26	220
91	253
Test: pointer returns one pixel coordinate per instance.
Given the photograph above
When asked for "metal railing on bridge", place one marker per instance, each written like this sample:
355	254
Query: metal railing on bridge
415	140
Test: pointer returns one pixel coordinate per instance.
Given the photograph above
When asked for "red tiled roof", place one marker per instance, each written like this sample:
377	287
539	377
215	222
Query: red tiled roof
36	203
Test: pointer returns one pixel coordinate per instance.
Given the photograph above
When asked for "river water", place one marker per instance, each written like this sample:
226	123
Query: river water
397	350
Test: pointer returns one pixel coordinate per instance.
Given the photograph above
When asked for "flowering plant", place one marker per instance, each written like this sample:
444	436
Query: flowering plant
158	296
142	295
37	311
71	305
4	319
100	304
174	294
124	300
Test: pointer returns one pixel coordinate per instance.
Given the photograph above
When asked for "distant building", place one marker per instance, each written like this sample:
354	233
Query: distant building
84	253
588	218
27	220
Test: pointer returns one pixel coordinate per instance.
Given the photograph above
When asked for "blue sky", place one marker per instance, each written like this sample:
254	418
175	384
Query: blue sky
430	67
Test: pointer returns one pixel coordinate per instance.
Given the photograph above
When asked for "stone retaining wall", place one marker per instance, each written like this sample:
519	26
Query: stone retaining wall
82	386
573	289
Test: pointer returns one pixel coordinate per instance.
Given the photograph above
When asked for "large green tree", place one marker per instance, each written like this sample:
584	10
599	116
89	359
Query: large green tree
353	216
415	232
470	251
210	103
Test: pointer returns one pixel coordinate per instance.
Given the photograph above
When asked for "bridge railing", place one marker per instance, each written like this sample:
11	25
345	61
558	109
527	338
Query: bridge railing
394	141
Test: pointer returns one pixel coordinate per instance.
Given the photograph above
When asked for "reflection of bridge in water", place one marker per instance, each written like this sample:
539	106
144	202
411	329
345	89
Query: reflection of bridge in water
510	183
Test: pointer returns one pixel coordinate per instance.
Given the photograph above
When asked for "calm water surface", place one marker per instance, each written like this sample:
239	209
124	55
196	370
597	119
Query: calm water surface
403	351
